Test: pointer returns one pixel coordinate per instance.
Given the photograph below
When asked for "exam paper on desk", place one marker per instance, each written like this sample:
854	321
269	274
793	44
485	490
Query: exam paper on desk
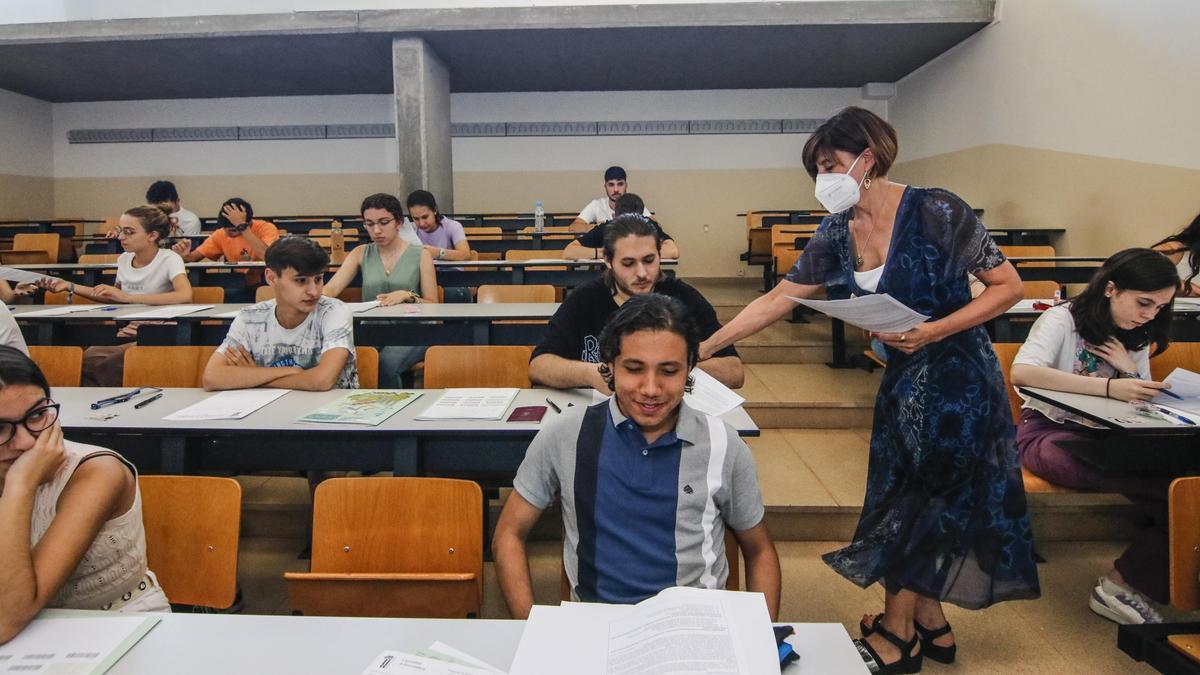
63	310
227	405
877	312
168	312
1185	385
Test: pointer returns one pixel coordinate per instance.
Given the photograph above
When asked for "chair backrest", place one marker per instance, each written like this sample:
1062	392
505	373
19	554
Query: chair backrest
367	360
383	525
1005	353
176	366
483	232
192	526
62	366
755	218
451	366
1030	252
784	260
98	258
349	294
496	293
25	257
40	241
1039	290
784	236
1177	355
1184	535
208	295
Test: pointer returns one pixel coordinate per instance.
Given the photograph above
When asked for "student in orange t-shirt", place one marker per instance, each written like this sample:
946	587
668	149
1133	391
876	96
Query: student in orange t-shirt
240	238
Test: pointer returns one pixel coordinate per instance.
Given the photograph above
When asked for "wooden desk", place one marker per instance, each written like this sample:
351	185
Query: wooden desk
430	324
1014	324
1064	269
271	439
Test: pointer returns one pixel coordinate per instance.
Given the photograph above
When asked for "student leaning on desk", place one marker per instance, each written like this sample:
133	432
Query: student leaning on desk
300	339
70	514
147	273
1099	343
648	485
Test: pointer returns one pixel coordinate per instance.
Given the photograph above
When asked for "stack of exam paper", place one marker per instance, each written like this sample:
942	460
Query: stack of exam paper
438	659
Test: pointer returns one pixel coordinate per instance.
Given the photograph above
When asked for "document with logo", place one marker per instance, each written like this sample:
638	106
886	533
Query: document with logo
74	642
878	312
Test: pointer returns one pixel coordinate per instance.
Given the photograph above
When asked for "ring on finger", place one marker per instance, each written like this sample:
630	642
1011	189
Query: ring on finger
902	336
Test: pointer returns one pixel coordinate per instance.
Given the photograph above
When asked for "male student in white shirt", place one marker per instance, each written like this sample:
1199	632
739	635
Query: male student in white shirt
298	340
164	192
601	210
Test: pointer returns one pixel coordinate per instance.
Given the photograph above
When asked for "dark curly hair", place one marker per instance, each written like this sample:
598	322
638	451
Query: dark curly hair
655	312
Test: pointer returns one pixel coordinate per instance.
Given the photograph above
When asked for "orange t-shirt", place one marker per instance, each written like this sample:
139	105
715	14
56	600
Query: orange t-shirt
236	249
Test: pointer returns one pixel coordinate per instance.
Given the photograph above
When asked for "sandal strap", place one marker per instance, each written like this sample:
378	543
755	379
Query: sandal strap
932	634
869	656
904	647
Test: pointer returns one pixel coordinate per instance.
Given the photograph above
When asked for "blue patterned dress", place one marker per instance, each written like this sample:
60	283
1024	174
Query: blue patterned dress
944	513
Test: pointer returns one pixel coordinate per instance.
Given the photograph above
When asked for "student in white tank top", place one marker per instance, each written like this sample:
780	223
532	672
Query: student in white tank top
70	514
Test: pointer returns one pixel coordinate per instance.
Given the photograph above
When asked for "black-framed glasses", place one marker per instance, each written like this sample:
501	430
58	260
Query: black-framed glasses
382	222
35	421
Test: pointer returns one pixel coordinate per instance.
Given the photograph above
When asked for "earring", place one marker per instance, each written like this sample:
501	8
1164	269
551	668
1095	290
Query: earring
867	183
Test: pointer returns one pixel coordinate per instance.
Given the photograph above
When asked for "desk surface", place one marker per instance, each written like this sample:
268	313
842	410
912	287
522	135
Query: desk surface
1181	306
1116	415
507	264
280	416
202	644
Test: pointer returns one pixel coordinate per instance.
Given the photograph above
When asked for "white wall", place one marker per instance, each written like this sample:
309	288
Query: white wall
36	11
470	154
1109	78
25	133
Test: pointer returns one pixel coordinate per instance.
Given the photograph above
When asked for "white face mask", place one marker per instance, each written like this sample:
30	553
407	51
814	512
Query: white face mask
838	191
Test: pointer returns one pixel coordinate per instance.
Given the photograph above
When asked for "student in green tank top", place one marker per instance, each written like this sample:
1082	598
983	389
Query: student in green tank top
394	271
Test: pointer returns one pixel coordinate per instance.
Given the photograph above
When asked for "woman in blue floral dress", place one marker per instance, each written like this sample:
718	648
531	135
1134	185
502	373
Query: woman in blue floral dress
944	513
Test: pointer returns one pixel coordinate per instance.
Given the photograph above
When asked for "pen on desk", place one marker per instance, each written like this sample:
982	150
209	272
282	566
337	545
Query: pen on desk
553	405
1175	416
1172	394
152	399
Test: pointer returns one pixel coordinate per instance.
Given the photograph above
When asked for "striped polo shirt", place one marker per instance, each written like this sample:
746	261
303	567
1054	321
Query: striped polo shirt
640	517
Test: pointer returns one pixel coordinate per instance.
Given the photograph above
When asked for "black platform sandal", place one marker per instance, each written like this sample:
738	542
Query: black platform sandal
908	663
936	652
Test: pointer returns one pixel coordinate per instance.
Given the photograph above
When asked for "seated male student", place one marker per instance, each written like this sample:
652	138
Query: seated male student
240	238
648	485
590	244
569	353
299	340
601	209
164	192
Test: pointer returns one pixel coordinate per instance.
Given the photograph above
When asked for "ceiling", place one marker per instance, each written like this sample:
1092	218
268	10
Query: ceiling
69	62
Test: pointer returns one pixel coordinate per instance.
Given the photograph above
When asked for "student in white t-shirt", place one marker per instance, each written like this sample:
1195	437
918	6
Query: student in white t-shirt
164	192
1100	344
147	274
10	332
298	340
602	210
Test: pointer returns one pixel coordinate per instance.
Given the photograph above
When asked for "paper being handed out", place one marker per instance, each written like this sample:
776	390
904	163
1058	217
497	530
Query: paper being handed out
21	276
878	312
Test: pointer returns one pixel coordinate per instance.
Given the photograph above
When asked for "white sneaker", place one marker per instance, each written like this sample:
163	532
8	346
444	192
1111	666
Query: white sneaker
1121	605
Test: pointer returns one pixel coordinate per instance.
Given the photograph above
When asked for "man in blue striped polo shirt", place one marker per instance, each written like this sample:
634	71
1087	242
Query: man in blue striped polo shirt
648	485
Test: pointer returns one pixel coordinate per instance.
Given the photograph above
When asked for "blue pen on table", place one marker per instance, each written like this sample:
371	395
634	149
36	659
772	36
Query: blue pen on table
1172	394
1175	416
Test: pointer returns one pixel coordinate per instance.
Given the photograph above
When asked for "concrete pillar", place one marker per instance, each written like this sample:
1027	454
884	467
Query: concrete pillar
422	90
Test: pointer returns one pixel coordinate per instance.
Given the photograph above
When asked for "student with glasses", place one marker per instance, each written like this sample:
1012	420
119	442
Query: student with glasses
394	270
71	531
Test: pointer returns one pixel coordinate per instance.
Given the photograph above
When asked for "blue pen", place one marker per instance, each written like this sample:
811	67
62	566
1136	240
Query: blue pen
1171	415
1172	394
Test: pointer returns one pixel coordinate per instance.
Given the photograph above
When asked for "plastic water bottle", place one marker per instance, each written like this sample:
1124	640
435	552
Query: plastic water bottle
337	242
539	217
1057	296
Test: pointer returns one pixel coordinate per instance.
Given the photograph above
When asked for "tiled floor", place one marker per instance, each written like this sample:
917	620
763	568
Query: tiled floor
1055	634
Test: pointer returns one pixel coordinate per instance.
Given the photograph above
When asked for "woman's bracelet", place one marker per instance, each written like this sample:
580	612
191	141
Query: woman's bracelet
1107	383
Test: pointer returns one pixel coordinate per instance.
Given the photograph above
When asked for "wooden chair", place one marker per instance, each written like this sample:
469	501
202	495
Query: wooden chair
192	525
784	260
41	241
208	295
62	366
1184	530
24	257
98	258
1005	353
175	366
451	366
523	254
53	298
1030	252
347	295
1177	355
1039	290
496	293
409	547
367	360
489	233
732	583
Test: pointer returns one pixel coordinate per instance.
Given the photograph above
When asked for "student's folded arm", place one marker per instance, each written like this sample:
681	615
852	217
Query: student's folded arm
727	370
32	577
762	565
321	377
220	376
669	249
552	370
579	225
345	274
512	562
577	251
257	244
